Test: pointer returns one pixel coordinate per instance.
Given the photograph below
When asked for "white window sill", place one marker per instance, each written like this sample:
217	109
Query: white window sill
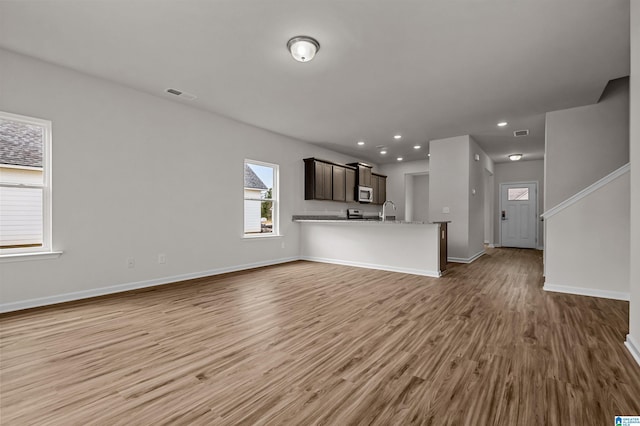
260	236
21	257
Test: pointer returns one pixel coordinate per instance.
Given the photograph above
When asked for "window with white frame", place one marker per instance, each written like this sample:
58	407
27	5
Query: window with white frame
25	184
260	199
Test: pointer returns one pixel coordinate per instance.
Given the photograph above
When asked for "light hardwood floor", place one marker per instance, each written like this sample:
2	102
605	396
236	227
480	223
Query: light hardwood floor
309	343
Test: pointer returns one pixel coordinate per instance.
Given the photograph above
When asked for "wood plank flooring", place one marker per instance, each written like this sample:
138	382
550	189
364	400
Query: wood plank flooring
309	343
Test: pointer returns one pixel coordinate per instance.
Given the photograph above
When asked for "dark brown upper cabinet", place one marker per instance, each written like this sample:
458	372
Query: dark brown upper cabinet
339	183
324	180
350	185
364	174
379	185
318	180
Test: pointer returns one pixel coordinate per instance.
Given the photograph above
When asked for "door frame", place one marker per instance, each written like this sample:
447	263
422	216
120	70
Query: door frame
537	213
408	194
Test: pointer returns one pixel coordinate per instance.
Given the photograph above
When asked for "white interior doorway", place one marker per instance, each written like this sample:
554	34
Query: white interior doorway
416	197
518	214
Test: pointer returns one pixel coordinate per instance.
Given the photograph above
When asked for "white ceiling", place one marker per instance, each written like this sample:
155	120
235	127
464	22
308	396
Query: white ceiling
425	69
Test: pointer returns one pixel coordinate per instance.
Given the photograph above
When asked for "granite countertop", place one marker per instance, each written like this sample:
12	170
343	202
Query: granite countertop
344	219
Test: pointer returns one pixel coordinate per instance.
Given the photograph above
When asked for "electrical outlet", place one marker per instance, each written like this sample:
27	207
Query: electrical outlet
131	262
162	258
446	210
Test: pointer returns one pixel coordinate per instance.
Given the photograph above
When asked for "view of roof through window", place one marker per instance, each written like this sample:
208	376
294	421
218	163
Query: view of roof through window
20	144
21	184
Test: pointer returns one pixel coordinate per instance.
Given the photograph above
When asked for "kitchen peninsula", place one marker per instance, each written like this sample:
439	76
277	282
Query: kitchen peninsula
409	247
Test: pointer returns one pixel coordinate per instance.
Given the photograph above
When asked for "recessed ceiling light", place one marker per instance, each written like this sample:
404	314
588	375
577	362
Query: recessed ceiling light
399	158
502	124
361	143
397	136
383	152
417	147
515	157
303	48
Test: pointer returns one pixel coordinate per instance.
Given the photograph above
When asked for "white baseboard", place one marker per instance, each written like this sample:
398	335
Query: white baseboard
465	260
580	291
423	272
494	245
633	347
540	248
102	291
486	241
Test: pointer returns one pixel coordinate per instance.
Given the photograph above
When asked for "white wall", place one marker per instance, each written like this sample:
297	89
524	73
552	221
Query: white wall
454	175
585	144
633	340
476	197
136	175
587	247
518	171
448	187
582	146
396	174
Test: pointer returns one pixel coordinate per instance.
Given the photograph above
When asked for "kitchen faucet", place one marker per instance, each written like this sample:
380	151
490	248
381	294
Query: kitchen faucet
384	209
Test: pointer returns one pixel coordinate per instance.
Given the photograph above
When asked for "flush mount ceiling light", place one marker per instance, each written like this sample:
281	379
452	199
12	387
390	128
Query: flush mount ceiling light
303	48
417	147
502	124
399	158
515	157
397	136
383	152
361	143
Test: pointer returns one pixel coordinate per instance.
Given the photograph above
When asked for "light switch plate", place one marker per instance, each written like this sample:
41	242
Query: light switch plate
446	210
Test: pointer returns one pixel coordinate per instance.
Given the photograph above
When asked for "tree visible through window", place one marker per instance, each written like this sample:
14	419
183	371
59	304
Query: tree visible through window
24	184
260	198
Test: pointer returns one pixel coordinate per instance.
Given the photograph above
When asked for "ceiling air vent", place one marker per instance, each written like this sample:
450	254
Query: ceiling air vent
183	95
519	133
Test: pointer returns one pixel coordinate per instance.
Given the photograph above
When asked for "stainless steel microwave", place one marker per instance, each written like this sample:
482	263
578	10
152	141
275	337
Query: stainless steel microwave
365	194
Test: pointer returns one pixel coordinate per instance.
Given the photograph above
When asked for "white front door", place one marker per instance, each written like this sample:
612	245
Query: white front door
518	214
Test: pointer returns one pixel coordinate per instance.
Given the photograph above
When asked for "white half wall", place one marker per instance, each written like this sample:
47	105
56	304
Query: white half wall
587	244
409	248
136	175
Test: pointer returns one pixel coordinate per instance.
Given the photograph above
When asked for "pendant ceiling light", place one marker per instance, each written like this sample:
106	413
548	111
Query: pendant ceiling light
303	48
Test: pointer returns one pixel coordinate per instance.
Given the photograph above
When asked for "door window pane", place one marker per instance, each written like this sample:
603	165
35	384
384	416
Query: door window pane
518	194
